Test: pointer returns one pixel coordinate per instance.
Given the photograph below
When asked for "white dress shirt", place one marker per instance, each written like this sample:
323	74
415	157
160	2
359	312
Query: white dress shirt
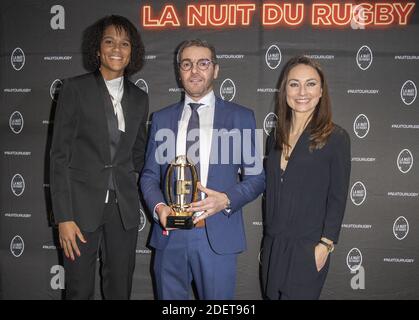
206	121
116	91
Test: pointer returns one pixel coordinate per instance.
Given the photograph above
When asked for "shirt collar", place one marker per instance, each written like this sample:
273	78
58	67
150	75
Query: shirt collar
208	100
116	80
114	84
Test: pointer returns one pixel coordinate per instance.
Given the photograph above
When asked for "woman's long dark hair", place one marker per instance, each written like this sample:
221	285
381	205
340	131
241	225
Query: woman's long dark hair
93	36
320	123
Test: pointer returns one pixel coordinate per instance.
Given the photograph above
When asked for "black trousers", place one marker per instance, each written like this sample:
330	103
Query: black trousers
117	247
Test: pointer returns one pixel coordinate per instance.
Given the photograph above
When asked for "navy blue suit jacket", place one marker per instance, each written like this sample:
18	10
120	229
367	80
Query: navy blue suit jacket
225	232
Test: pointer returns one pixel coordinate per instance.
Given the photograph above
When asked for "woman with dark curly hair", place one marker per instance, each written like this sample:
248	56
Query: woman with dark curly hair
307	176
93	37
97	154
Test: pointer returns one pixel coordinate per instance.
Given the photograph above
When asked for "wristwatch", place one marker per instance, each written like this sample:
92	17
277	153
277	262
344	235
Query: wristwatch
330	247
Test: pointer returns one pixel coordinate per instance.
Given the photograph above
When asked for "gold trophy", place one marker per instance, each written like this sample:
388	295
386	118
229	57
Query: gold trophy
185	190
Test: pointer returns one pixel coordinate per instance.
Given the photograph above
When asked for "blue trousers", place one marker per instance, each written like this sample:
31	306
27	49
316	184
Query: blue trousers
188	257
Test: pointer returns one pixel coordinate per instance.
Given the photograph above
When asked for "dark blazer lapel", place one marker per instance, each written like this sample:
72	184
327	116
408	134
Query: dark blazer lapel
300	148
105	104
219	114
176	118
125	102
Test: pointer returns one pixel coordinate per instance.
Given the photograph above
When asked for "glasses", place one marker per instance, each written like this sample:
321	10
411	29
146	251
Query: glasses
202	64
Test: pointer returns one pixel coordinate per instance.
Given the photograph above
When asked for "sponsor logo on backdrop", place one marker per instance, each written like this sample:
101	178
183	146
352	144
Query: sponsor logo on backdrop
230	56
320	56
406	57
143	221
58	58
364	57
356	226
150	57
228	89
358	193
405	161
402	194
55	88
17	59
273	57
267	90
363	159
17	215
16	122
332	14
17	246
269	123
354	259
361	126
17	90
363	91
49	247
400	228
408	92
404	126
17	185
143	251
142	84
176	89
398	260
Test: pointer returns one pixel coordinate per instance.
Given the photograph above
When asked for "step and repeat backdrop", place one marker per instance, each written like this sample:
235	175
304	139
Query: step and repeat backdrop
369	51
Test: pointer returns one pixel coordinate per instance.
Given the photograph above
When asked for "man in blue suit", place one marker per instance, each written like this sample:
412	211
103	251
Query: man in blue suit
231	175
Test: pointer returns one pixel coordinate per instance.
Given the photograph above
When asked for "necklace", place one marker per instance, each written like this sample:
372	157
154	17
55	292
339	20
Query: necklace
295	139
287	153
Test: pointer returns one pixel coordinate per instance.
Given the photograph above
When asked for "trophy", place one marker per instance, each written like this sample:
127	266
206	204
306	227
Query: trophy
186	191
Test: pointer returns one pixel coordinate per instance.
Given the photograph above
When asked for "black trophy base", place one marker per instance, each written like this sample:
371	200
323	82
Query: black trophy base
180	222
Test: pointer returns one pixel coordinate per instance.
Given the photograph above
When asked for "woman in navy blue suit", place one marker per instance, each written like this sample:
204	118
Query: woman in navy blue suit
307	178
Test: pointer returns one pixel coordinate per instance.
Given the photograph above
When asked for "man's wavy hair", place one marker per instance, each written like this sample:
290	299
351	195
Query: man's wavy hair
93	37
320	124
196	43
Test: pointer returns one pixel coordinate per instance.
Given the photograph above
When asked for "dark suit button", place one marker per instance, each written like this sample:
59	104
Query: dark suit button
107	166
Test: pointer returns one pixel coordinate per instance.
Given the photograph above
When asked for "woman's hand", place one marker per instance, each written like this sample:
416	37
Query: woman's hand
320	253
68	232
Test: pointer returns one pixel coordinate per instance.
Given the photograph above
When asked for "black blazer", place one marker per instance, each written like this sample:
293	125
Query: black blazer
308	200
80	153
